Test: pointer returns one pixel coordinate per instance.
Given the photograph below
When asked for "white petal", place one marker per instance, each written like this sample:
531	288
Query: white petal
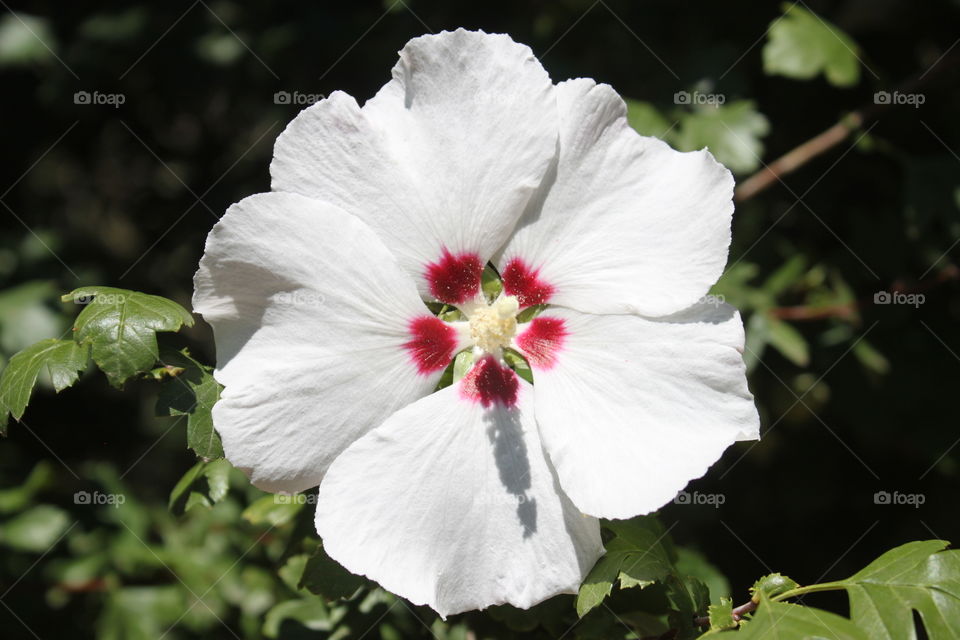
313	323
451	503
628	226
441	161
631	409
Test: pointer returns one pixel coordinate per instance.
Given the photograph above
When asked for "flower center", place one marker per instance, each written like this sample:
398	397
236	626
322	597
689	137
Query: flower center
492	327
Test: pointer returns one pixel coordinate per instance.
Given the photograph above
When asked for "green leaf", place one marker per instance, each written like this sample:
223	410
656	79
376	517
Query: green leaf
491	284
918	576
786	275
218	479
140	612
694	563
785	621
637	556
178	496
27	315
25	39
731	132
325	577
646	119
192	392
870	358
311	613
758	336
788	341
120	326
519	364
35	530
688	598
801	44
18	497
189	490
273	509
197	499
63	360
462	364
721	615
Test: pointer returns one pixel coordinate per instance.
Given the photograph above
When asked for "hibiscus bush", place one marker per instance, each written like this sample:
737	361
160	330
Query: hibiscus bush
587	320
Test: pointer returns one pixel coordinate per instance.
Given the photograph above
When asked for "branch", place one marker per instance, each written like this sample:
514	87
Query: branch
738	613
801	155
850	309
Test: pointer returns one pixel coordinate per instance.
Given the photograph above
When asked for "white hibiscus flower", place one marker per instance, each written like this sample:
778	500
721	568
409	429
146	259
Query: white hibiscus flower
486	491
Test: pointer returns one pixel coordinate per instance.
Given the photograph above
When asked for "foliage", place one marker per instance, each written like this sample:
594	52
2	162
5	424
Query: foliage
110	525
801	44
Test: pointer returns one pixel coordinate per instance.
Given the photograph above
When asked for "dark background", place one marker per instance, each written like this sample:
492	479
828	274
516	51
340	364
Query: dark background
94	194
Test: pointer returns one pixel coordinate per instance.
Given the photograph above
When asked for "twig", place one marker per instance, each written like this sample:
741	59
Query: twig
738	613
799	156
850	309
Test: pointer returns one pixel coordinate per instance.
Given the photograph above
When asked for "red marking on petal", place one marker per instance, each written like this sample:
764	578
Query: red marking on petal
541	341
432	344
454	279
489	383
522	281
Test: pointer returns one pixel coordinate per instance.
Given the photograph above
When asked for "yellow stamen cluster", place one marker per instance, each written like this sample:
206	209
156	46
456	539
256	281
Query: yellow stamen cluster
492	327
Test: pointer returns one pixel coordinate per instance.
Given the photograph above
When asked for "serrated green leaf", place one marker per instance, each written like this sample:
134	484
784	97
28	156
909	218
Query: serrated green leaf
688	598
731	132
63	359
800	45
192	393
636	557
918	576
120	326
721	615
325	577
785	621
788	341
